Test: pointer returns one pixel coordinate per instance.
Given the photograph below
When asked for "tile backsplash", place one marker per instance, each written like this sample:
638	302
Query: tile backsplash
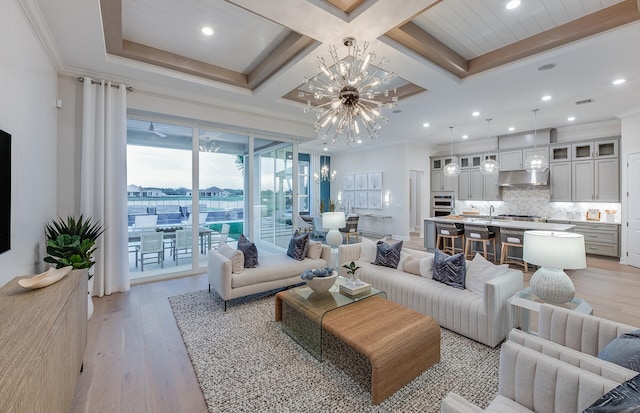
535	201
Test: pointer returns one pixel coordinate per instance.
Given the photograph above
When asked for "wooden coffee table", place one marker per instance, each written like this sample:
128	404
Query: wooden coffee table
400	343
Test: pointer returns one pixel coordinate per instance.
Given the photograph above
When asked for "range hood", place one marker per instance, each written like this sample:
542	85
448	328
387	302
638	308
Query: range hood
523	178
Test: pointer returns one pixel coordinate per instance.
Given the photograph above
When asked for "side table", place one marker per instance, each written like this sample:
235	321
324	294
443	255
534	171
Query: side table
525	301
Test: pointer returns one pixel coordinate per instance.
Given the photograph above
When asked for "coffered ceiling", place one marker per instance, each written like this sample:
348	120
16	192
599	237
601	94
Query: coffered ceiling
453	57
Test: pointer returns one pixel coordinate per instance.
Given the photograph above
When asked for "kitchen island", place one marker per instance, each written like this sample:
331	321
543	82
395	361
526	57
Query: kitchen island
493	223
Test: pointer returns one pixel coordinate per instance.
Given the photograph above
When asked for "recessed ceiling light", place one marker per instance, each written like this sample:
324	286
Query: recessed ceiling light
619	81
425	125
513	4
476	113
571	118
465	136
546	67
511	129
325	147
207	31
547	97
359	140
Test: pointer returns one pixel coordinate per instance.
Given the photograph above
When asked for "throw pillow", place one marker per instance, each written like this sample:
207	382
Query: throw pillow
314	249
621	399
426	267
236	257
411	265
449	270
249	250
367	250
298	245
479	271
388	255
624	351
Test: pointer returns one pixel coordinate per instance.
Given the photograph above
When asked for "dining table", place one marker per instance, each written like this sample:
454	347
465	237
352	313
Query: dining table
204	233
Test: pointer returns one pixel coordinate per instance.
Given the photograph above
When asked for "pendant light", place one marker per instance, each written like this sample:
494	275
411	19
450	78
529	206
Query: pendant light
452	168
489	166
535	163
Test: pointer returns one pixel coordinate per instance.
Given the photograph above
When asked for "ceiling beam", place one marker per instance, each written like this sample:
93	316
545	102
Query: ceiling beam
594	23
112	22
419	41
346	6
286	51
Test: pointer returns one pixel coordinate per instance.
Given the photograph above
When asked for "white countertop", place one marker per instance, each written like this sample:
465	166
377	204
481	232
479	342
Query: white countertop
583	221
543	226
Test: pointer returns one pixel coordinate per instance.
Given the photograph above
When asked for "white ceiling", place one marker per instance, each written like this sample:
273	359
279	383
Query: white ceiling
250	38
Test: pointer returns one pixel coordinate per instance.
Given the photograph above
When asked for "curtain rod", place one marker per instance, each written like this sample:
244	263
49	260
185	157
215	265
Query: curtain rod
95	82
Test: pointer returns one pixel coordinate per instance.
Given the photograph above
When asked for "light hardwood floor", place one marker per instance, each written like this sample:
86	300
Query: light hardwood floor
136	361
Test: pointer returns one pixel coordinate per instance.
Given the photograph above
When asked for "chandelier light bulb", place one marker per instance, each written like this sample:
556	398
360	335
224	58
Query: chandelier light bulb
535	163
346	92
489	166
452	168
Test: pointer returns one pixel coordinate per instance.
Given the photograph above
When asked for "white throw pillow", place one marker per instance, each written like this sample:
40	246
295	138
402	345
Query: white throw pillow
411	265
479	271
426	267
403	258
314	249
236	257
368	250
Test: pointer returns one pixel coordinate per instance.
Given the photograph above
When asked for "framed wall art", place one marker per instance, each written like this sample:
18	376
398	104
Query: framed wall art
360	182
347	183
374	180
361	199
374	199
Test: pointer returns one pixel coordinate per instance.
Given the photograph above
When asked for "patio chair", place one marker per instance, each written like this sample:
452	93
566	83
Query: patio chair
182	244
220	237
151	243
145	222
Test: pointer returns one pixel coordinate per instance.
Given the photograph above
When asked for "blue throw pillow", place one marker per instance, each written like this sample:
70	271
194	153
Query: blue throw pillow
388	255
298	245
449	270
249	250
624	351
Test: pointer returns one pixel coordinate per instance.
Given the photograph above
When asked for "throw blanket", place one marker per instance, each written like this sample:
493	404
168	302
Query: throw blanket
623	399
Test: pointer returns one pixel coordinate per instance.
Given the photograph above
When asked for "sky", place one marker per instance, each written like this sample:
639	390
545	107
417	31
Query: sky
169	168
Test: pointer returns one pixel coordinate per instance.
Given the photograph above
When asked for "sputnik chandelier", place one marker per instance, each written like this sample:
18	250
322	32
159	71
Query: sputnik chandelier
349	98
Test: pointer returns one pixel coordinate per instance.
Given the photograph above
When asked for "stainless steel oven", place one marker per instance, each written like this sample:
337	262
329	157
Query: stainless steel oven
442	204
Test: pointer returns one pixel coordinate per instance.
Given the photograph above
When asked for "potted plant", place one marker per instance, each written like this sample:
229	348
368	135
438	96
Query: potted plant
352	271
72	242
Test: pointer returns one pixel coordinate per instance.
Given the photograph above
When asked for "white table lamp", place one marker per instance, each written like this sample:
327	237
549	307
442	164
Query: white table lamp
554	252
333	221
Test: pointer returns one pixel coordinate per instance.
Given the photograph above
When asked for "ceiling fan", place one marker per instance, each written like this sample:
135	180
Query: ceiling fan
152	129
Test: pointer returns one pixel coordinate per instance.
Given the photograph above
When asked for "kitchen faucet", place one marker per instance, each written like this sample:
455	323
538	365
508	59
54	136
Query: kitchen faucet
491	211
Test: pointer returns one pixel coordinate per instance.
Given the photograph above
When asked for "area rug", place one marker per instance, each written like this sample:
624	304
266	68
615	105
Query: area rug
244	362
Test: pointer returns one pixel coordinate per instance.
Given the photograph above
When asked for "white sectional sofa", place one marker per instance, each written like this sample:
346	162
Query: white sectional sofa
273	271
530	381
481	317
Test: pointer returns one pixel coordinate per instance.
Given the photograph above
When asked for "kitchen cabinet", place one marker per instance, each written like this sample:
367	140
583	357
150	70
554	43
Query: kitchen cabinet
596	180
595	150
440	182
535	151
560	153
511	160
430	235
600	239
470	184
491	189
470	161
560	181
437	164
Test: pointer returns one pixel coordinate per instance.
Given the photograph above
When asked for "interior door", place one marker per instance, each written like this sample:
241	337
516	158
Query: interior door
633	214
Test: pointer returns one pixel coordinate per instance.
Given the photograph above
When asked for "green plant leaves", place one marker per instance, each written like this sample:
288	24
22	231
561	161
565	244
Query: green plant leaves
72	242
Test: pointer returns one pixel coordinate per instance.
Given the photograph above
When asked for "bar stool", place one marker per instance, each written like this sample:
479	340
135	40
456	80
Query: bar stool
449	231
512	238
479	233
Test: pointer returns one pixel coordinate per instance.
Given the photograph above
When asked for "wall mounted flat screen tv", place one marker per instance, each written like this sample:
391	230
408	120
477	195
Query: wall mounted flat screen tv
5	187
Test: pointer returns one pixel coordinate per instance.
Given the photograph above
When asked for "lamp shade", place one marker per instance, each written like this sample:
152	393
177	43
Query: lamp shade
563	250
333	220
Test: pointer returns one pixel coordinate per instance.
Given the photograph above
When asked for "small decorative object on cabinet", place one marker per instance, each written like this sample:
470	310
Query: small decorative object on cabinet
593	215
52	275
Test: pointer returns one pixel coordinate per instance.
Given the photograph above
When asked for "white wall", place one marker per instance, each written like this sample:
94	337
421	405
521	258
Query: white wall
630	143
394	162
28	85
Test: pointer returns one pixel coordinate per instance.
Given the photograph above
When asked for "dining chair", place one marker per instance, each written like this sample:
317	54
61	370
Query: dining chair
182	244
303	225
151	243
145	222
351	228
318	231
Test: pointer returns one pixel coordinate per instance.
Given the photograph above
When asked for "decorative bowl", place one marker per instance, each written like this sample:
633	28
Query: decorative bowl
322	284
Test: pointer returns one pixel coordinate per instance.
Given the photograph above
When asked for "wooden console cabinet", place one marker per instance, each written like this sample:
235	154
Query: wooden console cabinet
43	334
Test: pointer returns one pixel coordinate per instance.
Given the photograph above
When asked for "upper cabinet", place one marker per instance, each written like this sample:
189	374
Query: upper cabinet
535	151
595	150
511	160
470	161
560	153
